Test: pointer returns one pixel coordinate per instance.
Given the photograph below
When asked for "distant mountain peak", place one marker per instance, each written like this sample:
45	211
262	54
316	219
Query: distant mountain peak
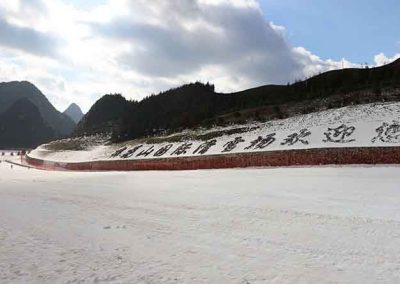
73	106
74	112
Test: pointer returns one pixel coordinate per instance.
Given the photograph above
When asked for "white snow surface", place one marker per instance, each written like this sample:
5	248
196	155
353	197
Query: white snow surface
365	119
285	225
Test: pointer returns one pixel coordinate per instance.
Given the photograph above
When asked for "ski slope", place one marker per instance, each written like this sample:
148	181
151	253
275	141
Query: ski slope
285	225
371	125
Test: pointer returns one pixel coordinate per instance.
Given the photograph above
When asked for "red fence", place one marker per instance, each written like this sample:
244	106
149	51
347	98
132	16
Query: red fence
323	156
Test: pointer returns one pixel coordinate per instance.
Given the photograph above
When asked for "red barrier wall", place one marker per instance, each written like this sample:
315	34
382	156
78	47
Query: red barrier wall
323	156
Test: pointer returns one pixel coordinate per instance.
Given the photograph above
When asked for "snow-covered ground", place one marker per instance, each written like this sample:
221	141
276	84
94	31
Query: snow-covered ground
370	125
7	154
287	225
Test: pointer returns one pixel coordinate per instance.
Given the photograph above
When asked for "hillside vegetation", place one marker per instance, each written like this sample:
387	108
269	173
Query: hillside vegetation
198	104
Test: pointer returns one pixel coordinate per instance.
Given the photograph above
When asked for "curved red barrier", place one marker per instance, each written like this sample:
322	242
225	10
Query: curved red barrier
322	156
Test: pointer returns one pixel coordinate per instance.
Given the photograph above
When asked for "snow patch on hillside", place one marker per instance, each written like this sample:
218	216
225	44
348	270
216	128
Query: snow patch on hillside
368	125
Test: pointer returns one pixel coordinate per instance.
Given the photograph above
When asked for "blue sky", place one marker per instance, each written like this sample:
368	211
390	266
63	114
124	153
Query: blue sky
354	29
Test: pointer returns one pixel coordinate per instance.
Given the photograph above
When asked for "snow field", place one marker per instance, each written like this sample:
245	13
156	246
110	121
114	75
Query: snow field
287	225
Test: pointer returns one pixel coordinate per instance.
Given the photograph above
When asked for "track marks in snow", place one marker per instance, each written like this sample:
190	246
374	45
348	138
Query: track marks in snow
235	226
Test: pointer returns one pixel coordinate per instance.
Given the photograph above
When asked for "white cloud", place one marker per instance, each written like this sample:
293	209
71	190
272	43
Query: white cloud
313	65
139	47
281	30
381	59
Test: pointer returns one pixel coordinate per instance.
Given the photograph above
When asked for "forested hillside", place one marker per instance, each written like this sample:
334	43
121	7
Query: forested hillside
198	104
11	92
22	126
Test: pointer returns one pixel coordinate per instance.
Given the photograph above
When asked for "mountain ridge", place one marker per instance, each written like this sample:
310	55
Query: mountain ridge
12	91
22	126
28	118
198	104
